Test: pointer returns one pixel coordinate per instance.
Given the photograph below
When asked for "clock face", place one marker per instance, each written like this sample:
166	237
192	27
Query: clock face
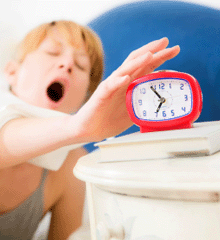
162	99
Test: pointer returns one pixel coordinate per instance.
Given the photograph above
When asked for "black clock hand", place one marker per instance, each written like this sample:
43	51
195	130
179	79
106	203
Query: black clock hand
155	92
159	107
162	100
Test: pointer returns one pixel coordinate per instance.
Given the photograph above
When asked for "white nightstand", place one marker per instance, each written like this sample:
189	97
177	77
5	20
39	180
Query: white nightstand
167	198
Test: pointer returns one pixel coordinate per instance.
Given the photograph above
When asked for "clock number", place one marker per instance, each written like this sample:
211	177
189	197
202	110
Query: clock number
162	86
143	90
164	113
181	86
170	85
184	109
140	102
156	114
172	113
144	113
186	97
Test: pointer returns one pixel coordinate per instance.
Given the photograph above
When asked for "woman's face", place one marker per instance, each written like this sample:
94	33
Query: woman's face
55	76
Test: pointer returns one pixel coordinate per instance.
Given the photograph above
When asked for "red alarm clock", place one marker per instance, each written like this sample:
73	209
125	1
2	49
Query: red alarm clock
164	100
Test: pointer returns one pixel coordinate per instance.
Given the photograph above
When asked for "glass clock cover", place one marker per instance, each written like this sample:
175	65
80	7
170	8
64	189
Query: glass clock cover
176	95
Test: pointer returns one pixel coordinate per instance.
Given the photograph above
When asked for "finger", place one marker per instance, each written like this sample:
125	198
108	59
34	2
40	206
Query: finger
162	56
158	59
153	47
122	83
134	64
111	85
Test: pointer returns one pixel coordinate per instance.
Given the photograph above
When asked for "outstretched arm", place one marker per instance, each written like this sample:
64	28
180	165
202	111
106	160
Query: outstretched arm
104	115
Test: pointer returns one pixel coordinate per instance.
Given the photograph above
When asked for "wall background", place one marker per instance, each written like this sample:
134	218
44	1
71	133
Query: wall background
17	17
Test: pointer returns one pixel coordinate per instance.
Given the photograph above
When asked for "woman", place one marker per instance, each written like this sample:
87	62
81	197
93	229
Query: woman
57	68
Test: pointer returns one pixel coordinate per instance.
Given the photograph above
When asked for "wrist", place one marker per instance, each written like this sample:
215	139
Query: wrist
73	130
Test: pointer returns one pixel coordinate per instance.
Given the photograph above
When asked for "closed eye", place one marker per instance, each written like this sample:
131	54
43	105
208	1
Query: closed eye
80	66
53	53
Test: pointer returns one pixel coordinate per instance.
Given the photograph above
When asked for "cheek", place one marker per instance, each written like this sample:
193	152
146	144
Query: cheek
30	74
79	89
24	84
84	85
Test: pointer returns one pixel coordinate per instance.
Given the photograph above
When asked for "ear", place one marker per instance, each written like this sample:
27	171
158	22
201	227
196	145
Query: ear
10	72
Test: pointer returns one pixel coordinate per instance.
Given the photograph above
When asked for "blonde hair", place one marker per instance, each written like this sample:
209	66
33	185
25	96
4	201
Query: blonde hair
76	35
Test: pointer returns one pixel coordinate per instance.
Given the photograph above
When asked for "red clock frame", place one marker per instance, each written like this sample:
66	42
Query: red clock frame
178	123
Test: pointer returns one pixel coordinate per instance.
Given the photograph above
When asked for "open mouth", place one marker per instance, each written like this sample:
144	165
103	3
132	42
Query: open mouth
55	91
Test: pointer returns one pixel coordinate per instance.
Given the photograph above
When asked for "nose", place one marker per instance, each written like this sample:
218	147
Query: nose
66	63
68	69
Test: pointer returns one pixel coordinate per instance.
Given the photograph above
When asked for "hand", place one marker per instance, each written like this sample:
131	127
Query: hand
162	100
105	113
155	92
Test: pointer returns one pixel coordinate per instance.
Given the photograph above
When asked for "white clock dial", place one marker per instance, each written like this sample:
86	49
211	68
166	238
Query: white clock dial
162	99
